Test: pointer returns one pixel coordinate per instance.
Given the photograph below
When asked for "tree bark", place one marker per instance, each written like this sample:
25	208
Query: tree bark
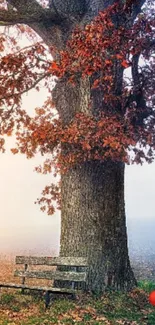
93	223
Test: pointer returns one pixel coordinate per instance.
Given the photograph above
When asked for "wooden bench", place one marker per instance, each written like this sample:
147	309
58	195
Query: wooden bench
77	274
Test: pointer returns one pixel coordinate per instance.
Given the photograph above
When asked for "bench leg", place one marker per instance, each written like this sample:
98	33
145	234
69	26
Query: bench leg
73	296
47	299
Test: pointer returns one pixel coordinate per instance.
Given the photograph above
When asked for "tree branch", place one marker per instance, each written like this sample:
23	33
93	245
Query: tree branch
28	12
143	111
137	6
12	95
26	6
8	18
44	21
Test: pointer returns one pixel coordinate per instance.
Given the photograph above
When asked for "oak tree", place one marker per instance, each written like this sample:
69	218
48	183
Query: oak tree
99	115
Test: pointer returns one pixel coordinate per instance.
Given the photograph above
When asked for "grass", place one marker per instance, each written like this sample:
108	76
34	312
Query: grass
147	286
113	308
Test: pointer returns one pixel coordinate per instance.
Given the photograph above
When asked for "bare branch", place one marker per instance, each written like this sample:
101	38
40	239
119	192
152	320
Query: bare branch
27	12
8	18
143	111
27	89
26	6
44	21
137	8
33	8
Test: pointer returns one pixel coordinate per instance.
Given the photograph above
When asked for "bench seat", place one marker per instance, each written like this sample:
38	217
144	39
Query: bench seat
29	287
77	273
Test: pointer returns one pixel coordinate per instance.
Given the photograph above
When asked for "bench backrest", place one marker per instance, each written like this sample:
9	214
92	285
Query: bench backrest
77	271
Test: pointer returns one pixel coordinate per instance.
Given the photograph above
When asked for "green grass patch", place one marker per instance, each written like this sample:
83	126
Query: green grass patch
147	286
112	308
7	299
151	318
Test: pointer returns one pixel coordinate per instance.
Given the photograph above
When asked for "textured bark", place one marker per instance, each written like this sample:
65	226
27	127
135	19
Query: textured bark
93	223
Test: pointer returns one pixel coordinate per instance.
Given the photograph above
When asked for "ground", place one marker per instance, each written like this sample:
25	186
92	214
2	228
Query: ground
113	308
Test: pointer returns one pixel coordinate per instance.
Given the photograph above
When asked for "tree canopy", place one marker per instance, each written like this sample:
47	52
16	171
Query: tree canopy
115	51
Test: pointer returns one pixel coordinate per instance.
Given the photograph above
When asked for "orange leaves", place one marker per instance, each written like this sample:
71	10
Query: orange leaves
96	50
54	68
2	40
108	62
119	56
20	72
2	142
40	111
125	64
84	139
50	194
14	150
9	132
86	146
96	83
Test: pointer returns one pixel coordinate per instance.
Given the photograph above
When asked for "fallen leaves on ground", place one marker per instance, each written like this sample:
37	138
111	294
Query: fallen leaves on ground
112	308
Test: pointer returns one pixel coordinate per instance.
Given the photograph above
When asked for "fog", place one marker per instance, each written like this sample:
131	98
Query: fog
44	240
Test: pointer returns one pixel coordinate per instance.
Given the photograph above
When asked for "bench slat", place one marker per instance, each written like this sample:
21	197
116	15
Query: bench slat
52	275
44	288
53	261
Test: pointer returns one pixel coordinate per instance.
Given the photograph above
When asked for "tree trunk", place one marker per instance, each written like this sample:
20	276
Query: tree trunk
93	223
